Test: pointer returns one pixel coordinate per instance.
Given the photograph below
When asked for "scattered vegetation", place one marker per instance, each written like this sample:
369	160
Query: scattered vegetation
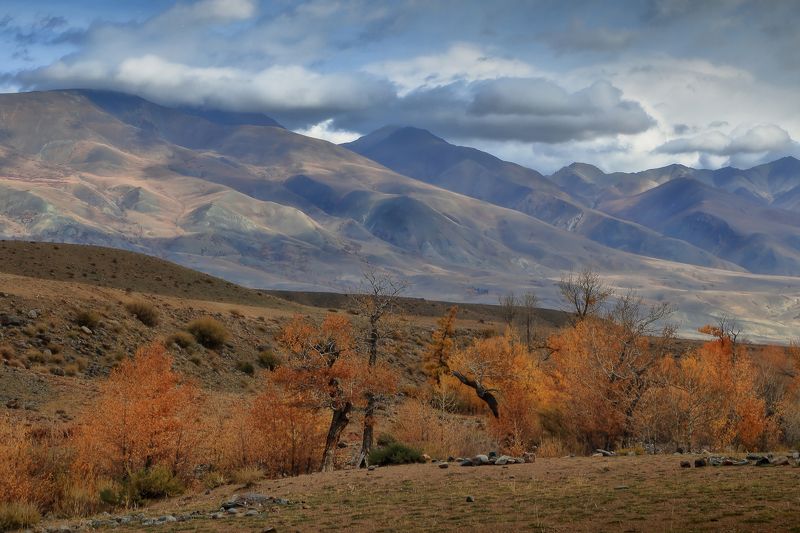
395	453
267	359
181	338
87	318
208	332
145	312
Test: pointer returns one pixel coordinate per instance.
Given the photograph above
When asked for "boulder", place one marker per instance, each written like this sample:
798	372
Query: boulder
444	465
245	500
502	460
466	462
481	459
605	453
686	464
762	461
699	463
781	461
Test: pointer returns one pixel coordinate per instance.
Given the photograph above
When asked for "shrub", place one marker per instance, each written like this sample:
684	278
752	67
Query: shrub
212	480
87	318
152	483
181	338
145	484
247	476
385	439
269	360
145	312
246	367
208	332
395	454
16	515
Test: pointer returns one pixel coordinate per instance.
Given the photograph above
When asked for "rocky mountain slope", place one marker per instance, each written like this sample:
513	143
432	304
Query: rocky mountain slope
238	196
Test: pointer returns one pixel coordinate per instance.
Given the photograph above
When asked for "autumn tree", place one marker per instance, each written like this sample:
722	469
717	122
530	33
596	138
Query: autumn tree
375	303
146	415
507	379
584	293
436	357
324	367
603	366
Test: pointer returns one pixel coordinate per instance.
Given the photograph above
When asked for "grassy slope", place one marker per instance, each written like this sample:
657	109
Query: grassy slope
570	494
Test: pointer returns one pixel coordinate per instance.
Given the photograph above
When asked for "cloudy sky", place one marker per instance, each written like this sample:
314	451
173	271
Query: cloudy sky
625	85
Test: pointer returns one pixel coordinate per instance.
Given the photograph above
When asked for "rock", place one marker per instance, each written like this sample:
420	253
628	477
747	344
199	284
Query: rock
13	403
451	459
605	453
444	465
466	462
233	510
762	461
245	500
502	460
251	512
470	499
699	463
781	461
481	459
33	314
167	518
529	457
426	457
753	456
597	455
371	468
86	330
686	464
492	455
216	516
11	320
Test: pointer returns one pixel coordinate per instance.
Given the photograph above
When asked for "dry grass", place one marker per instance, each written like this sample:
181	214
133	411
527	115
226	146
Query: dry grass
572	494
145	312
208	332
17	516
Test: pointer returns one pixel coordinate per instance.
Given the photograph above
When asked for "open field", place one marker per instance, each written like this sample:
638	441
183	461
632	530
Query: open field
644	493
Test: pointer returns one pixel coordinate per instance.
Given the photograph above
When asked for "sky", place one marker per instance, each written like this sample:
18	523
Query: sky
624	85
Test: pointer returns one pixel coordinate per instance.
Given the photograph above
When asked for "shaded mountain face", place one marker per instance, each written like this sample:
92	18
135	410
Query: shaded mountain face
420	154
238	196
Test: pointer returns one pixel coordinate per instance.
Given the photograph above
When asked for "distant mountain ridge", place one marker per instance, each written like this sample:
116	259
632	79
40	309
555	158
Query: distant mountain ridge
239	196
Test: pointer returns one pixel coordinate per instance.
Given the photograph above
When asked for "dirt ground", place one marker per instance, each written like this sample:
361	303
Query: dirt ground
629	494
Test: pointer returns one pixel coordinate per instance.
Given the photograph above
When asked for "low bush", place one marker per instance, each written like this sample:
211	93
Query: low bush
146	484
268	360
145	312
90	319
395	454
385	439
208	332
247	476
181	338
246	367
16	515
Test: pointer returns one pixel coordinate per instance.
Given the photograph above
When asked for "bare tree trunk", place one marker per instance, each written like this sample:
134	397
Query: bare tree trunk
339	421
367	439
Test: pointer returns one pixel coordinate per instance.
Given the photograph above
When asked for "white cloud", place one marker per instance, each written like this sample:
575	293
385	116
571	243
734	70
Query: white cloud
326	131
224	10
758	139
275	88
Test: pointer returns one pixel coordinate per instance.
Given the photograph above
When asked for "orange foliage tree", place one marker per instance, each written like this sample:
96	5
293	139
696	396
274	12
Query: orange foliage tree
146	415
507	379
325	370
603	367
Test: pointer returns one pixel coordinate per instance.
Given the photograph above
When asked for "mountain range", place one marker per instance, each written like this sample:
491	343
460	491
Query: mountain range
238	195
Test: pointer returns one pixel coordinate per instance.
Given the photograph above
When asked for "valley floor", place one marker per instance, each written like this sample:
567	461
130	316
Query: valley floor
568	494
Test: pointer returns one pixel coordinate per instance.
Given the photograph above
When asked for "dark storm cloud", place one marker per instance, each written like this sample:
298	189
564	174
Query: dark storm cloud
520	109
